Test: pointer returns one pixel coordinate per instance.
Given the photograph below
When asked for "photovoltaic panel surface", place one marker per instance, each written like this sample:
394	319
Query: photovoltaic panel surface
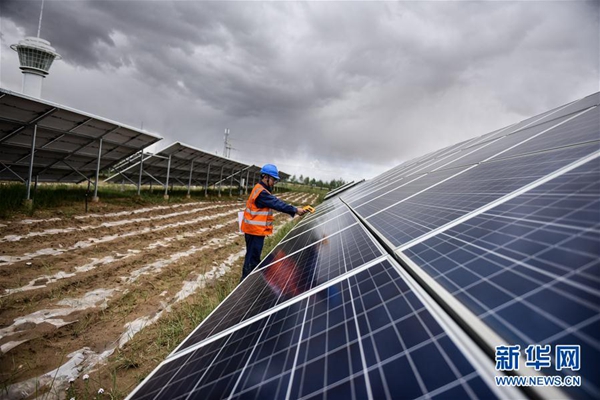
529	268
475	188
325	226
567	131
317	233
282	276
367	336
409	187
555	114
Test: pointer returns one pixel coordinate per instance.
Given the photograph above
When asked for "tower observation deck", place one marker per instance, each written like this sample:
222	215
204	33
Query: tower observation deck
35	56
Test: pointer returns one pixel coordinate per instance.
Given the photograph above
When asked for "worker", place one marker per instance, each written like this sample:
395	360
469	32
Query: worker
258	216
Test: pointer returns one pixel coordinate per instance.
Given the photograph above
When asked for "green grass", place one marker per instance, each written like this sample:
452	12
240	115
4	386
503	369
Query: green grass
272	241
71	198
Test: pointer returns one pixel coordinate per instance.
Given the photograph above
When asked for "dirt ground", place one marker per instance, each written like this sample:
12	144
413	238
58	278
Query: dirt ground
75	291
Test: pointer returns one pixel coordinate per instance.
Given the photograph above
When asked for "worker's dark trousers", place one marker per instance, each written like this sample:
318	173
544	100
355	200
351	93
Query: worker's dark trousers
254	246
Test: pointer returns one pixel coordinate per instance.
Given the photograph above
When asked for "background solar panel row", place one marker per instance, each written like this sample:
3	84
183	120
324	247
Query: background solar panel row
186	165
67	141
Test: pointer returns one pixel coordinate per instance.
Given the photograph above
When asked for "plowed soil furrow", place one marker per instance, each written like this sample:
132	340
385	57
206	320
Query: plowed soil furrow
79	277
69	265
147	296
109	227
148	211
17	228
74	290
73	241
152	279
52	226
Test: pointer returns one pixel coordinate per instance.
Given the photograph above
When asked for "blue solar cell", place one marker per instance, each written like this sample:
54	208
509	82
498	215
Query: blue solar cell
582	129
551	115
574	107
519	139
399	378
319	345
537	279
394	194
400	342
464	193
314	231
433	378
180	377
281	277
322	214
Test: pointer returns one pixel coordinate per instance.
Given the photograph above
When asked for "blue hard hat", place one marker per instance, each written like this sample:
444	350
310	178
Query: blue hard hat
271	170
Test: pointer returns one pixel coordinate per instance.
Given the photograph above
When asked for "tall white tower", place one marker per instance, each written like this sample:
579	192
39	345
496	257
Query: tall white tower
35	56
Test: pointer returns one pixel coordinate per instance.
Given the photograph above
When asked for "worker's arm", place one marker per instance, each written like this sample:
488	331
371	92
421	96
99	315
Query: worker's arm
265	199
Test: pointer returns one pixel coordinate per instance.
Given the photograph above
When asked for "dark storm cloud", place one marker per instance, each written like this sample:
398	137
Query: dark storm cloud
377	82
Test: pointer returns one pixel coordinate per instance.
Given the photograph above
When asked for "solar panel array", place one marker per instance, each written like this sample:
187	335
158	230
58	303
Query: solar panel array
66	142
402	286
184	165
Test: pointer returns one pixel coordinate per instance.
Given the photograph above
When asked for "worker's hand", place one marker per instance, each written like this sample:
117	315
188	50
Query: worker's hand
300	211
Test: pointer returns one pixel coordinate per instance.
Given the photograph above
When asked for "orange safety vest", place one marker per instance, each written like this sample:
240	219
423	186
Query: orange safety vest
257	221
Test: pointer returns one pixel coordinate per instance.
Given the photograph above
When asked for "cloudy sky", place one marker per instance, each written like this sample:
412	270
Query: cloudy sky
324	89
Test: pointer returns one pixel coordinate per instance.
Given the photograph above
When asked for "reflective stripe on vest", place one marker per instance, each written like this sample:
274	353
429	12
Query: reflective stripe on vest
270	212
257	221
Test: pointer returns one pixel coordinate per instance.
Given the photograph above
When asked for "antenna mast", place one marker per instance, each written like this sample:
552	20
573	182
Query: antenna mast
40	23
226	145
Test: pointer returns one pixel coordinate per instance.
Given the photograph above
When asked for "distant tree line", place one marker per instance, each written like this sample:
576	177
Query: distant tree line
308	181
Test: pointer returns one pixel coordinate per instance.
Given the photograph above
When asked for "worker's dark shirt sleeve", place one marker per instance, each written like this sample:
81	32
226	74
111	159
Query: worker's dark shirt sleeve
266	199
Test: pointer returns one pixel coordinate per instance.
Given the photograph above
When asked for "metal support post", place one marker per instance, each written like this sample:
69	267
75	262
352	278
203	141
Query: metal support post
166	196
207	179
95	198
220	181
231	182
28	199
246	186
190	180
141	172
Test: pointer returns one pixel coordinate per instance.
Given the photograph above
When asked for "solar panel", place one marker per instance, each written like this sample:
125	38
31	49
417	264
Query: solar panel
281	276
414	216
180	164
366	336
67	142
404	285
529	267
